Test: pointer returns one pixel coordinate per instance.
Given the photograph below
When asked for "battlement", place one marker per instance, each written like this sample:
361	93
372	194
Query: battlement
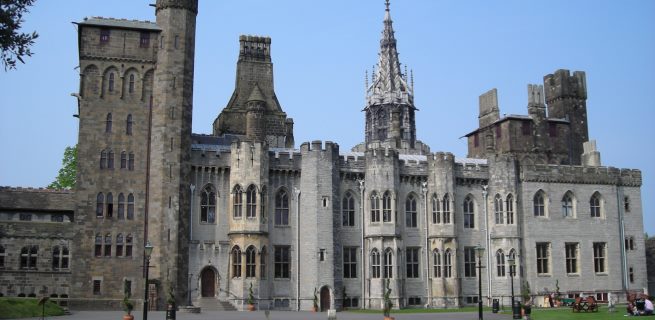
581	175
191	5
254	48
536	95
35	190
562	85
489	111
317	145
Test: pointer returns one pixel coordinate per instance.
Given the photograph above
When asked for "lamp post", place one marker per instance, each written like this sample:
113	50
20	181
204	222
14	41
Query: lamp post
516	312
479	251
147	251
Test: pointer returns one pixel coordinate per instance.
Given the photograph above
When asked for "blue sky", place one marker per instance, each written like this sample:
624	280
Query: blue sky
321	49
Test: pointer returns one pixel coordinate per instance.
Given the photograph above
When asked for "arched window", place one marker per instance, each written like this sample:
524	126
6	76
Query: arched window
237	195
386	207
103	159
130	87
110	160
128	125
110	87
539	204
119	245
98	245
282	208
251	202
567	204
447	264
108	245
498	209
436	263
110	205
509	205
512	256
121	206
388	263
410	212
348	210
130	162
445	205
236	262
594	205
469	213
251	263
262	263
100	205
500	263
130	207
375	207
128	245
108	123
123	160
436	216
28	256
208	205
375	263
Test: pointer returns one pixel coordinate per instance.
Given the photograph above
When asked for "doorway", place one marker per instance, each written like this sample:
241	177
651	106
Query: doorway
325	298
208	283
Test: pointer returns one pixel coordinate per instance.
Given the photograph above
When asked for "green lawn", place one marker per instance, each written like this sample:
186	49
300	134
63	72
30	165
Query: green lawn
11	308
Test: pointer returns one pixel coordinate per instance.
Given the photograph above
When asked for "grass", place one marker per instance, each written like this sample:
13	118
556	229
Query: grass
11	308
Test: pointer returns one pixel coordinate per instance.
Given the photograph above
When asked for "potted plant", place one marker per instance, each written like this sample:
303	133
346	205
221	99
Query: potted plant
315	306
387	303
128	305
251	299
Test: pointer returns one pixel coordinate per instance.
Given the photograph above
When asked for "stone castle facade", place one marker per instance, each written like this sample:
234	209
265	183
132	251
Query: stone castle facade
243	208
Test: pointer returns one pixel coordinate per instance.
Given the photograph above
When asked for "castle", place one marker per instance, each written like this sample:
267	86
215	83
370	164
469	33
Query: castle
243	208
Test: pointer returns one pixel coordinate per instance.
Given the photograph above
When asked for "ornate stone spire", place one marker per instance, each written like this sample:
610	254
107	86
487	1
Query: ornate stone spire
389	84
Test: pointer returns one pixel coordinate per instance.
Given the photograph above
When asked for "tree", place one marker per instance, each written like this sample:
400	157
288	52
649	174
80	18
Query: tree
68	172
15	45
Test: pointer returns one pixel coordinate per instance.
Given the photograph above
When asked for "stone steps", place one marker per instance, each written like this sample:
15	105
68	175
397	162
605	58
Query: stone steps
215	305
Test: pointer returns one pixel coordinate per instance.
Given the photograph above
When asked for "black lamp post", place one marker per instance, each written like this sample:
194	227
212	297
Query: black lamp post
479	251
516	311
147	251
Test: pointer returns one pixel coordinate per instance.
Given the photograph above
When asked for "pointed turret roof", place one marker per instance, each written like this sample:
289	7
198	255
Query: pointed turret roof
256	94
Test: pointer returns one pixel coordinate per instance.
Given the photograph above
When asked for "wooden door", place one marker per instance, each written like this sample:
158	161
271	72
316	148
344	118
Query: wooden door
325	299
208	283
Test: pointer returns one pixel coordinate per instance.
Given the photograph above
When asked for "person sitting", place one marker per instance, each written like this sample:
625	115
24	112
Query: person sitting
648	307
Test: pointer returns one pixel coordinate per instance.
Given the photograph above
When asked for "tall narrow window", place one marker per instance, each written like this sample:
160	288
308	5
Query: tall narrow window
350	262
123	160
348	210
98	245
436	217
97	284
282	208
130	162
375	207
469	213
599	257
208	205
567	205
119	245
130	207
445	205
3	255
436	263
512	255
388	263
128	125
108	123
130	85
386	207
110	205
236	262
498	209
538	203
629	243
282	262
110	160
500	263
56	255
251	202
412	262
594	205
410	212
100	205
128	245
144	41
121	206
571	257
262	264
251	255
103	159
104	35
469	262
543	257
375	263
510	209
110	86
447	264
237	195
107	249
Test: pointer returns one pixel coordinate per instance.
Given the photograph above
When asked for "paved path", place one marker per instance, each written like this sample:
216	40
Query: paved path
275	315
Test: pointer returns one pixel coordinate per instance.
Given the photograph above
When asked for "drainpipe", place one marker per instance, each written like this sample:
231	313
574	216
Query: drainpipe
192	187
424	189
296	192
487	239
363	250
624	262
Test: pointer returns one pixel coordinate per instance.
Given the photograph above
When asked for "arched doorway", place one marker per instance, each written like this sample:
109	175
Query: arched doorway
208	283
325	298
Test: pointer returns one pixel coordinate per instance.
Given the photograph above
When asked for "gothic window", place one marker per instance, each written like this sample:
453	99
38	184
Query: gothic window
130	207
571	257
282	262
262	264
386	207
282	208
108	245
447	264
110	86
123	160
110	205
100	205
144	41
594	205
130	162
237	195
104	35
251	202
130	86
350	262
108	123
410	212
388	263
110	160
60	258
469	262
500	263
567	204
543	257
436	263
103	159
436	218
97	251
236	262
28	256
375	207
129	241
445	206
119	245
208	205
510	209
629	243
498	209
128	123
539	204
599	257
348	210
512	255
412	262
375	263
469	213
251	263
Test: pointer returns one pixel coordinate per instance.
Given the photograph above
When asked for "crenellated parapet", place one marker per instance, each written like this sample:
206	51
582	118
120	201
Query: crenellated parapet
191	5
581	175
